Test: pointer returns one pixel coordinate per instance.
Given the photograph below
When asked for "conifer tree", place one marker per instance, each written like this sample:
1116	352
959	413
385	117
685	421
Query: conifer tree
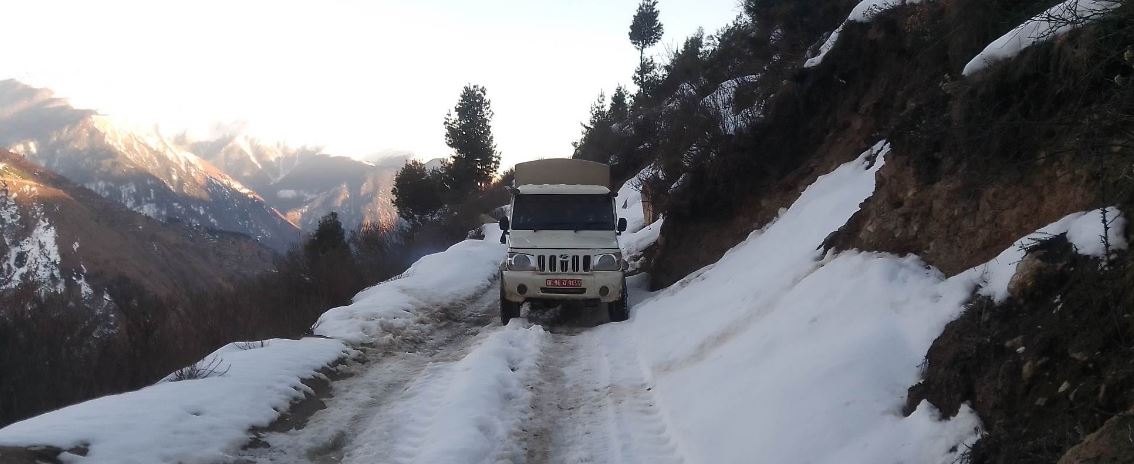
645	29
468	131
645	32
329	236
417	191
619	104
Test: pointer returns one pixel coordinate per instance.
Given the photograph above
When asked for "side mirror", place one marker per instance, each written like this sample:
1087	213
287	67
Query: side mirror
504	224
621	225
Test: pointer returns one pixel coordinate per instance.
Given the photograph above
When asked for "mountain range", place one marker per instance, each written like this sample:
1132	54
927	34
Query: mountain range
234	183
58	236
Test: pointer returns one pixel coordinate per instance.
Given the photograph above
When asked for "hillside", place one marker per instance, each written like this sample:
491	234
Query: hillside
95	297
57	233
144	172
1001	118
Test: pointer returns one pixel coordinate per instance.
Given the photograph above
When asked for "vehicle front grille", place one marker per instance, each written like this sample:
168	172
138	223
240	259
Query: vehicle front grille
564	263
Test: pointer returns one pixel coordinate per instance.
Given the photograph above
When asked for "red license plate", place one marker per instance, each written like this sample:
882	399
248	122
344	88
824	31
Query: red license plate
564	282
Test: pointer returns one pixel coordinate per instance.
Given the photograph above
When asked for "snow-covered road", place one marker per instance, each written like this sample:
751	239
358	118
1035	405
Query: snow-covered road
541	391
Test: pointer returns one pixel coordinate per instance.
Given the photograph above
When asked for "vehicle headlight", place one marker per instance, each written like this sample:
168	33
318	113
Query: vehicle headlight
520	262
608	262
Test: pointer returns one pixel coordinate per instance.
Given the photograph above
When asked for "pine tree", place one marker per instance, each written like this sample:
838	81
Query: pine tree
417	191
645	29
600	117
330	265
645	32
645	76
598	124
468	131
329	236
757	8
597	136
687	63
619	104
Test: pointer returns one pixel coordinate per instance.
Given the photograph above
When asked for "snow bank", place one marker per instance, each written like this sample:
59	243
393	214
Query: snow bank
864	12
188	421
396	306
638	235
629	202
1057	20
770	261
462	411
808	356
1084	230
202	420
634	244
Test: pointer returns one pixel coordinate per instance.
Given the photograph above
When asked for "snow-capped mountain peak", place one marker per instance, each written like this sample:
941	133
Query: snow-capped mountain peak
141	169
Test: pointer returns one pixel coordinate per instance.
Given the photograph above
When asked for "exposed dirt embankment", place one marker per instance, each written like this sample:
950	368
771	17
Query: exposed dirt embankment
964	218
1050	370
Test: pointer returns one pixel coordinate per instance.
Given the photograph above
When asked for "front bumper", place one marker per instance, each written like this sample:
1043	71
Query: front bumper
536	288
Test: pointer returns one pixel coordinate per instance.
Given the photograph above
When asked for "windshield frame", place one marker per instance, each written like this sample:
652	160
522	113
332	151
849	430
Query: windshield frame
588	214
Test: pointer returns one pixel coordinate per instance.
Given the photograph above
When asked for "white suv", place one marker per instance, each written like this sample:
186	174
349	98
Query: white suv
562	235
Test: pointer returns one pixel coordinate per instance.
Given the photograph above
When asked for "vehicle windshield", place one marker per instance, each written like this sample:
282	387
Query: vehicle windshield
563	212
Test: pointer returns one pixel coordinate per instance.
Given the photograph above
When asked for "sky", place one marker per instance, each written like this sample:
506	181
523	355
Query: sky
356	77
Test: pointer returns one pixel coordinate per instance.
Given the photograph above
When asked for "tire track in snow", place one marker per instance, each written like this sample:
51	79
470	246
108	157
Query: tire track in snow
463	411
608	410
373	384
398	435
593	404
481	393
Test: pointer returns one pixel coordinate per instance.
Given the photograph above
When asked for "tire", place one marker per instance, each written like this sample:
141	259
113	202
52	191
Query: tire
618	311
508	309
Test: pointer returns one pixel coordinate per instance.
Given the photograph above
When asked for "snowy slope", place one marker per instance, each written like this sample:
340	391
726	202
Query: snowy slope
207	420
55	234
397	306
29	248
808	357
1056	21
864	12
190	421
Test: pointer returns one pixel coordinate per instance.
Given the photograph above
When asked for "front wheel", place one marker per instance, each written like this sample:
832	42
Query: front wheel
508	309
618	311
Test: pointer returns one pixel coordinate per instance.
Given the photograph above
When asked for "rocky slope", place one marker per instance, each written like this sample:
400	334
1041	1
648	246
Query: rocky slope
142	171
